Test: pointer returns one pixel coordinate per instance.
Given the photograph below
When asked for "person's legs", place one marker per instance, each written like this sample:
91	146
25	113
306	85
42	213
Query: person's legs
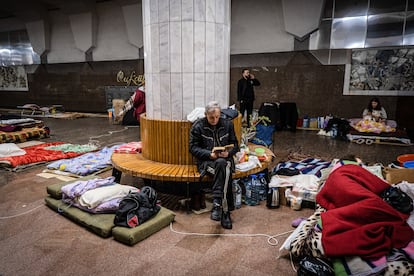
221	190
243	109
129	119
249	109
228	191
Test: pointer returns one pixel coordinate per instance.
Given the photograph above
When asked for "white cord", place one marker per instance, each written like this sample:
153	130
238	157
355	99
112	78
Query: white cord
95	142
270	239
21	214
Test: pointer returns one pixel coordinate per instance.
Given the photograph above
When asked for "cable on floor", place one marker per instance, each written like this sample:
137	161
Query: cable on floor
24	213
93	140
271	240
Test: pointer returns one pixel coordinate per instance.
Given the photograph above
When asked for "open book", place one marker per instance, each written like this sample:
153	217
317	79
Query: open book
223	148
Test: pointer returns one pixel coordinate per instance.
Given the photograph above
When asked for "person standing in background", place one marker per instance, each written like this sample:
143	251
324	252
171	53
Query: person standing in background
245	93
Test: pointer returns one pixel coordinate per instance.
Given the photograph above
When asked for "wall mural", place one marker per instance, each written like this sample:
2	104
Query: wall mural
381	72
13	78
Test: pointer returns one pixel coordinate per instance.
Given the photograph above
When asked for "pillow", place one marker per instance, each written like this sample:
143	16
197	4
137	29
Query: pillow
10	149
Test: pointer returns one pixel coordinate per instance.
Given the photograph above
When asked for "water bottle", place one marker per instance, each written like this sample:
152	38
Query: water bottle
273	198
263	186
237	194
334	131
251	191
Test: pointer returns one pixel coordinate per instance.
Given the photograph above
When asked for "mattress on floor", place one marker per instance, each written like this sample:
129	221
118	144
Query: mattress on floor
398	137
131	236
100	224
23	135
103	224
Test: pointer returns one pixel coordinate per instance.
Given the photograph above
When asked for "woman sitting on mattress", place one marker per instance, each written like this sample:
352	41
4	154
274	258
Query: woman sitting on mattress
375	111
374	119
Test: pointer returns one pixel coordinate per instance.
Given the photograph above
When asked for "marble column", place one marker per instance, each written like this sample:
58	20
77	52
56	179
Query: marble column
186	55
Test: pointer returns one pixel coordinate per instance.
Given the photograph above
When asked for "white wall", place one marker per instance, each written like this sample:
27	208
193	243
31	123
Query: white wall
112	38
62	42
258	27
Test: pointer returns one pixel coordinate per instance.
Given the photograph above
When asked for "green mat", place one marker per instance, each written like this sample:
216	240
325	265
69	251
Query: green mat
103	224
100	224
131	236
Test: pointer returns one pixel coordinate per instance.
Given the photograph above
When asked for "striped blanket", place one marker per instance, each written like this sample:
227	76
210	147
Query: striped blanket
306	166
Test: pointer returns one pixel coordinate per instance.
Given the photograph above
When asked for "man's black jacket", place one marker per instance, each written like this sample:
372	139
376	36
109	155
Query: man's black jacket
203	137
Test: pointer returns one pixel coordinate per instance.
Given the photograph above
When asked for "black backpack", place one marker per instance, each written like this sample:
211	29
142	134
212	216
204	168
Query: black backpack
137	208
398	199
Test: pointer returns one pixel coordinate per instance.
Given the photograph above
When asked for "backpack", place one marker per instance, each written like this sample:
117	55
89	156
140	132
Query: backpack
398	199
136	208
229	113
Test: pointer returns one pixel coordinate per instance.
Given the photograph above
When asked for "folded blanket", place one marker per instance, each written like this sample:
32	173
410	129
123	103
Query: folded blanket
306	166
358	221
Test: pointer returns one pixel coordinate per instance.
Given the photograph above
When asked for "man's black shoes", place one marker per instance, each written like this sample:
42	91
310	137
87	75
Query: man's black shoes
217	210
226	220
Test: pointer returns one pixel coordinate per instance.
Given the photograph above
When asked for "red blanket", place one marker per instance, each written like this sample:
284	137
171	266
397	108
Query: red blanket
357	221
36	154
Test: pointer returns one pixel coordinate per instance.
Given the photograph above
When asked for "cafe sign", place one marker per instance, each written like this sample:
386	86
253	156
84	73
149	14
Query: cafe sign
131	79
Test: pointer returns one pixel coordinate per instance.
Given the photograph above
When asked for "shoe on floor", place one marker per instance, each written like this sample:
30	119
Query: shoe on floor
217	210
226	220
296	222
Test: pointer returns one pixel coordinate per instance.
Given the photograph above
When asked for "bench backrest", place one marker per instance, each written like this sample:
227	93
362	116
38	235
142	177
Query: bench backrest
167	141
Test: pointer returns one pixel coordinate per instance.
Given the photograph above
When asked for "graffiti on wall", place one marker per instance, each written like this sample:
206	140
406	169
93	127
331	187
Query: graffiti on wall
381	72
13	78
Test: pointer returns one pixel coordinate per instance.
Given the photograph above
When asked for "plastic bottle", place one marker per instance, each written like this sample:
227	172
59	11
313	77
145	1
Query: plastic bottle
263	186
256	187
305	121
237	194
252	191
334	131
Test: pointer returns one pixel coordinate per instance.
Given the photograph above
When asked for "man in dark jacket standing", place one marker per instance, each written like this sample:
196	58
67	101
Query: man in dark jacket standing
205	134
245	93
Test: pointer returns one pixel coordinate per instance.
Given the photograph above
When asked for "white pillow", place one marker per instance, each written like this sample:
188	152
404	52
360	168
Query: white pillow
10	149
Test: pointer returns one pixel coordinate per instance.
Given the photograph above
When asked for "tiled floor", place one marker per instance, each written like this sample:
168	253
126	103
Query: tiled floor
34	240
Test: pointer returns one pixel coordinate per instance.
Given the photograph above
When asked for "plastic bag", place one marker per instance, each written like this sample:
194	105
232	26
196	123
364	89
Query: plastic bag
309	266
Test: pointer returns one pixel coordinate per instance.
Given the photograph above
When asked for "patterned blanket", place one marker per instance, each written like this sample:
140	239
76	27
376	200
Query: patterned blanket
85	164
37	154
24	134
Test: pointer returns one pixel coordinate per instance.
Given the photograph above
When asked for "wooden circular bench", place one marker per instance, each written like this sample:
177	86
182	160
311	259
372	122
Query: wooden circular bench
165	153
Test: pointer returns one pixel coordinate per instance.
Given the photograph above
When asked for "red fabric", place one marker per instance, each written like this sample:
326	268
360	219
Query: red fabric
131	147
36	154
357	221
139	104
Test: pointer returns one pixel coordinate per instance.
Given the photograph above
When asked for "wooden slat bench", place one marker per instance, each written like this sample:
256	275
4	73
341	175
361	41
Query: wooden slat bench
165	155
139	166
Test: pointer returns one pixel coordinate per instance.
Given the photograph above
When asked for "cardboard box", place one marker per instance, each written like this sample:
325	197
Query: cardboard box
306	195
393	175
